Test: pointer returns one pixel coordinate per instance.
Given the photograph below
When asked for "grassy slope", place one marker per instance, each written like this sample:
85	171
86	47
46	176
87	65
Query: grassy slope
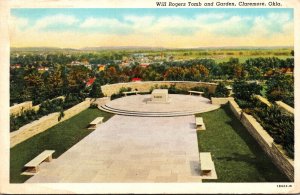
237	156
60	138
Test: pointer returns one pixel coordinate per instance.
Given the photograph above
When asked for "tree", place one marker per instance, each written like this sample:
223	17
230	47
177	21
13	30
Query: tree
280	87
238	71
221	91
96	91
203	71
244	91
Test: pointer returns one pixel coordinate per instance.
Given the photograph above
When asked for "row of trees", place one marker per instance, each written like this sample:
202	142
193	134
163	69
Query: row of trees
52	59
195	70
28	84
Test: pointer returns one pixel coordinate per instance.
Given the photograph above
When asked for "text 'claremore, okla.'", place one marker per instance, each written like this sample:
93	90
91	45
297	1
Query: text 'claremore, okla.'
226	4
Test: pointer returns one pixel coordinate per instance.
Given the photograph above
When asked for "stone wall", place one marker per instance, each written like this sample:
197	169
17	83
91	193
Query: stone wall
18	108
101	101
263	100
285	107
275	152
237	111
256	130
220	100
108	90
44	123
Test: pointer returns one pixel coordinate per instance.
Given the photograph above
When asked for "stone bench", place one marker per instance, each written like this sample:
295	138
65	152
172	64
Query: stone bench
32	167
130	92
206	163
200	93
94	124
200	124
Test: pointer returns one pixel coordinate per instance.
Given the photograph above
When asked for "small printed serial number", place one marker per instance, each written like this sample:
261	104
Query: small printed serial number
284	186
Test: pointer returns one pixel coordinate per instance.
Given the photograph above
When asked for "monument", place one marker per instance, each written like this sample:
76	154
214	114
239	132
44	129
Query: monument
159	96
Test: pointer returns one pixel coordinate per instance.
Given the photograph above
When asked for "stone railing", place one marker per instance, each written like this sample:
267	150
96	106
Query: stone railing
274	151
145	86
44	123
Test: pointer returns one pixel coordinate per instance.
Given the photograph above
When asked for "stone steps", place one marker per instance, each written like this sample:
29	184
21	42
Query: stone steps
149	114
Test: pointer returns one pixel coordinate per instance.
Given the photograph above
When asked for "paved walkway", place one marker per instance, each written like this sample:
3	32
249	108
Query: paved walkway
130	149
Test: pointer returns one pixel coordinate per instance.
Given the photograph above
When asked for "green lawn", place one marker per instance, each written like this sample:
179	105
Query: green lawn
237	156
60	138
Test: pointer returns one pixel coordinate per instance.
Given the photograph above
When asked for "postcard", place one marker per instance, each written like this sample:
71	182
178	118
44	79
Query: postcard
149	97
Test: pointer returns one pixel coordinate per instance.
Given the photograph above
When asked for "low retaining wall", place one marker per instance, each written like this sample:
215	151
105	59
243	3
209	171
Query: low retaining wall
108	90
237	111
18	108
219	101
285	107
44	123
263	100
101	101
275	152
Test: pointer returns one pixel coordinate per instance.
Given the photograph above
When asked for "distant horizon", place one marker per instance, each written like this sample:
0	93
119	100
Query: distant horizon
169	28
158	47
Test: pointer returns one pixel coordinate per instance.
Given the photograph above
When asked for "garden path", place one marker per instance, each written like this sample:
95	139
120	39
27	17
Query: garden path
130	149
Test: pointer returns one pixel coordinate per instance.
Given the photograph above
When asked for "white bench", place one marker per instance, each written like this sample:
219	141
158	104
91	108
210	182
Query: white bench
94	124
206	163
130	92
196	92
200	124
33	165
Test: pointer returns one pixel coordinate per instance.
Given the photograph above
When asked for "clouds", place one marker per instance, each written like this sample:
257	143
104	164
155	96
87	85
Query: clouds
55	20
200	29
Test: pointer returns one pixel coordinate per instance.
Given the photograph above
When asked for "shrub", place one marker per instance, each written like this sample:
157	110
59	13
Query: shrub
221	90
174	90
115	96
124	89
244	103
48	107
71	100
96	91
24	118
203	89
278	124
244	91
281	87
164	87
94	105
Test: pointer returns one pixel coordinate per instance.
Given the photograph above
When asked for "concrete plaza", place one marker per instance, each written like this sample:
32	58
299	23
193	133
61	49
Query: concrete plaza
130	149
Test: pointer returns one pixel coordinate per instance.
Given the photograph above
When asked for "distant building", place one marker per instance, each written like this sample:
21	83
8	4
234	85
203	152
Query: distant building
16	66
101	67
85	62
76	63
136	79
89	66
42	68
145	65
90	81
124	64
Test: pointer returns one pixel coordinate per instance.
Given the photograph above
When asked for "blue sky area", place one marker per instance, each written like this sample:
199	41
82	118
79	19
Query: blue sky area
171	23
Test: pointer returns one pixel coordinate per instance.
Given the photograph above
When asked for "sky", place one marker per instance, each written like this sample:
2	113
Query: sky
151	27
